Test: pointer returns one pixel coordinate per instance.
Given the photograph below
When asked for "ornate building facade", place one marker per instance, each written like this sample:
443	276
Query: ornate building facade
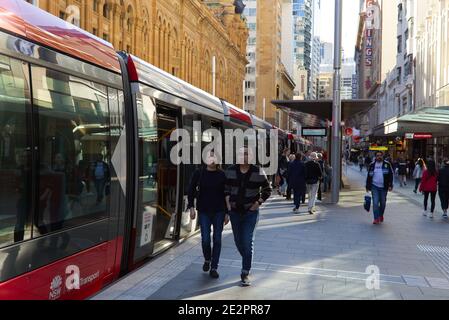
178	36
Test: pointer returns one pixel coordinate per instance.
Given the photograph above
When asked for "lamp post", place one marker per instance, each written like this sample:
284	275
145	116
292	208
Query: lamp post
336	107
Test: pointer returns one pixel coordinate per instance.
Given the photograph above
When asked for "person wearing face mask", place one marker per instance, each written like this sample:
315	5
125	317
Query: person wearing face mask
207	186
379	182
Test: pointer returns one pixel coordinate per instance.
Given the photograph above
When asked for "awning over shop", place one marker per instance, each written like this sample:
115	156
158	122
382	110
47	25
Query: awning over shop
424	120
323	108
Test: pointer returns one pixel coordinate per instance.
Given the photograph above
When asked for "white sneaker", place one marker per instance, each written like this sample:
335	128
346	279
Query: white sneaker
431	215
424	213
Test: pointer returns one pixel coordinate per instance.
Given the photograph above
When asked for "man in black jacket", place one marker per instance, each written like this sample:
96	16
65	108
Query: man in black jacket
379	182
247	188
313	178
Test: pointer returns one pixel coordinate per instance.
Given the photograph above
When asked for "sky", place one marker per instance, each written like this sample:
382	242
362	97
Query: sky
350	24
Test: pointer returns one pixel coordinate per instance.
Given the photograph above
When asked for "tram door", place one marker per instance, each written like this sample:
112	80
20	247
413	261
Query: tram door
167	181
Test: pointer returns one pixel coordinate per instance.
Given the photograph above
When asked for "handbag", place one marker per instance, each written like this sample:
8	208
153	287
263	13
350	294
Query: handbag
367	203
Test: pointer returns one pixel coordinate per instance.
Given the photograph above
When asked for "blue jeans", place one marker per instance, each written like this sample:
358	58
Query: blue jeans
99	187
379	201
243	227
297	197
206	221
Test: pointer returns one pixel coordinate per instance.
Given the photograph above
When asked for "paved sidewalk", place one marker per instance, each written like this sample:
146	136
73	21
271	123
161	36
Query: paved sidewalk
302	257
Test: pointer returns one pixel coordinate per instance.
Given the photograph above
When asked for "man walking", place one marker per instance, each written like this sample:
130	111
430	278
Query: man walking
402	172
247	188
297	180
379	182
313	177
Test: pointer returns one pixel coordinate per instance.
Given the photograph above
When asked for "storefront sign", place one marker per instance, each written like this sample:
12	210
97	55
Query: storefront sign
378	148
422	136
418	136
314	132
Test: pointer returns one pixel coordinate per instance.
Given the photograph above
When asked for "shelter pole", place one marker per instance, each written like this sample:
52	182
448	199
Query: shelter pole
336	108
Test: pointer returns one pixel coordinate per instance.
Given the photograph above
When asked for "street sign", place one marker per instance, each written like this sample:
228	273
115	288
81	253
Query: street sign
349	132
378	149
314	132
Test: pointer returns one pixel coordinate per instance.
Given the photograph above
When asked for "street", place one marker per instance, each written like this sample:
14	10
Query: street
302	257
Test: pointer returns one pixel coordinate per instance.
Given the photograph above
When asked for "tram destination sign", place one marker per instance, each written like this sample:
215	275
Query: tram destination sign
314	132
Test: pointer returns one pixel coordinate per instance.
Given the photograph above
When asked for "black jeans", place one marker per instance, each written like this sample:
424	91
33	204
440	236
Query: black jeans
432	199
417	182
444	198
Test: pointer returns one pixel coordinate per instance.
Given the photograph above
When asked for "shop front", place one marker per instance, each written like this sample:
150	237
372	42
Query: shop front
424	134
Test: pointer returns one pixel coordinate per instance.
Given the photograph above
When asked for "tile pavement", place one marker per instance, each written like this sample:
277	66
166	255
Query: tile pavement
302	257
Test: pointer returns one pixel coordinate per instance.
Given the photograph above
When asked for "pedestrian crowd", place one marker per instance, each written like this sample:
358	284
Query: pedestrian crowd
428	180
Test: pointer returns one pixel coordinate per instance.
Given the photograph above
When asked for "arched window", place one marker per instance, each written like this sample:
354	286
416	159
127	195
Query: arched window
106	11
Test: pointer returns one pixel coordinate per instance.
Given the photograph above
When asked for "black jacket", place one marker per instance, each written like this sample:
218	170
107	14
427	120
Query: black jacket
388	175
443	178
245	190
313	172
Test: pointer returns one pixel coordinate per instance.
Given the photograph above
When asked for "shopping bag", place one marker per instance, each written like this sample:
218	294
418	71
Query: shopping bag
367	204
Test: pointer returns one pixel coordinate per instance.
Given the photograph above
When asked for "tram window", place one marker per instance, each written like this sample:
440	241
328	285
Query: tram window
15	158
74	150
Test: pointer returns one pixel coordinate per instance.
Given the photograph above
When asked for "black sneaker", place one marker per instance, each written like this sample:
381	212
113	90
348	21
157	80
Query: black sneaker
206	266
214	274
245	280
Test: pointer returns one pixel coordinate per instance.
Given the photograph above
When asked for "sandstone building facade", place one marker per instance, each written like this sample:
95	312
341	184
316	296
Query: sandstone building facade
178	36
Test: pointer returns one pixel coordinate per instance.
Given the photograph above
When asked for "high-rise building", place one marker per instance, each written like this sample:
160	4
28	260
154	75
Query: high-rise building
325	86
316	49
302	31
272	77
269	53
327	53
432	53
250	14
376	44
347	73
397	92
315	66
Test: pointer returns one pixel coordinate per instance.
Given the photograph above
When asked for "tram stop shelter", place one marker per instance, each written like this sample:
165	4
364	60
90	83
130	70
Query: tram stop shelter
315	112
322	109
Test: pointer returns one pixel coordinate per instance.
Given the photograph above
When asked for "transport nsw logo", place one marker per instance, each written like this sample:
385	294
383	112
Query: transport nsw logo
73	281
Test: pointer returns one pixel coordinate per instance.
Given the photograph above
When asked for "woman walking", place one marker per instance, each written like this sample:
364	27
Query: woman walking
443	186
208	187
418	173
428	186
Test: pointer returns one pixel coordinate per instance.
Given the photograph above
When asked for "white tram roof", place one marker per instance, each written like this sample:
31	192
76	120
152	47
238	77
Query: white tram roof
163	80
